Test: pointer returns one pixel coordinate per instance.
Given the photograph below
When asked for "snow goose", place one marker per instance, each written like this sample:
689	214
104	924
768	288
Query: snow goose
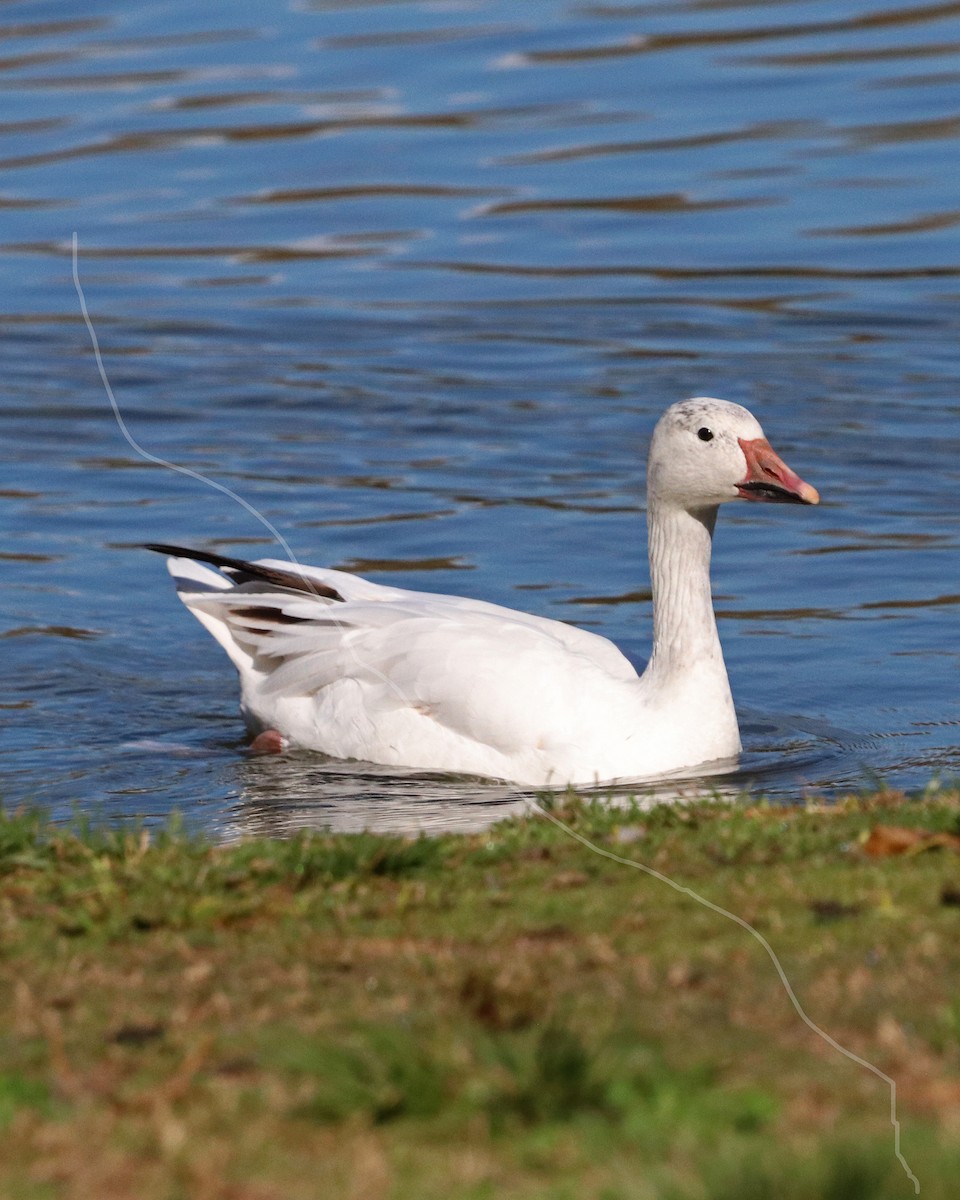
332	662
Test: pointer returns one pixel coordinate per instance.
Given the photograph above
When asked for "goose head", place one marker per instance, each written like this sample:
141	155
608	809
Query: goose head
705	452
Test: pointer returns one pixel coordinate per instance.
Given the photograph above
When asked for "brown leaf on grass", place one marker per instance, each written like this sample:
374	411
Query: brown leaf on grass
934	840
884	841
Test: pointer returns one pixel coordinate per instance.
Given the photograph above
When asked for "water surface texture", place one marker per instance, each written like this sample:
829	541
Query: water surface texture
416	279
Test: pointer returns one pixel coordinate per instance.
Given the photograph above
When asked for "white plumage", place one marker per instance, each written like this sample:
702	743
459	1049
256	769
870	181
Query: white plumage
359	670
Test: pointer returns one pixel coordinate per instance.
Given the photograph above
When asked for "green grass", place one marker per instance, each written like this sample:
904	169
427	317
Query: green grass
505	1015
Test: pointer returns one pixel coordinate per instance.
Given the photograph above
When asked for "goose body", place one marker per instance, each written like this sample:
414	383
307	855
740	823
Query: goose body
359	670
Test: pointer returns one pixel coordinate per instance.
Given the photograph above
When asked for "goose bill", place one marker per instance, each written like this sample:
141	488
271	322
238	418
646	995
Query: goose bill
768	477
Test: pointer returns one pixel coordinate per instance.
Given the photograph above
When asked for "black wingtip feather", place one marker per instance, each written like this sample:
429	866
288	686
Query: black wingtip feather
243	571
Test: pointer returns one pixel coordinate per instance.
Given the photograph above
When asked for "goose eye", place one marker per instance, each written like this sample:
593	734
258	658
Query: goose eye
705	434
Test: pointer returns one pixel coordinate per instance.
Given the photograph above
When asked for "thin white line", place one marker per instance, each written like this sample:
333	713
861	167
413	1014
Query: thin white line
771	953
135	445
627	862
201	478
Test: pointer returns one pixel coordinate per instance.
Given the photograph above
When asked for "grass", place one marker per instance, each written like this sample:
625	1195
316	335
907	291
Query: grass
505	1015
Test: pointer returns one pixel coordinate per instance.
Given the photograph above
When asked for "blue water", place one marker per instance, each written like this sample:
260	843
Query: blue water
416	279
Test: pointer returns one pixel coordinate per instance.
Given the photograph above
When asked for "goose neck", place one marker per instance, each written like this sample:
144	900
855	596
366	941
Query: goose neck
684	625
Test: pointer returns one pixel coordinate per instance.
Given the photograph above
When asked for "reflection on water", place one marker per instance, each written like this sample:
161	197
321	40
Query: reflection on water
784	759
416	279
281	795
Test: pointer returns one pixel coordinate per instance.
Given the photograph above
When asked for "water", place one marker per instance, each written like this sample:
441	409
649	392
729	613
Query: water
416	279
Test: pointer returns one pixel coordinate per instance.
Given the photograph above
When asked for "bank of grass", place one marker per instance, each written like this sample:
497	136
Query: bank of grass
503	1016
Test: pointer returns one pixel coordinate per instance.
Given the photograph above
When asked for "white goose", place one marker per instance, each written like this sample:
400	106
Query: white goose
331	662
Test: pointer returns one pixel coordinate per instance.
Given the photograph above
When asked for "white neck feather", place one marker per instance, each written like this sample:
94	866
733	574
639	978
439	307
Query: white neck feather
685	639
